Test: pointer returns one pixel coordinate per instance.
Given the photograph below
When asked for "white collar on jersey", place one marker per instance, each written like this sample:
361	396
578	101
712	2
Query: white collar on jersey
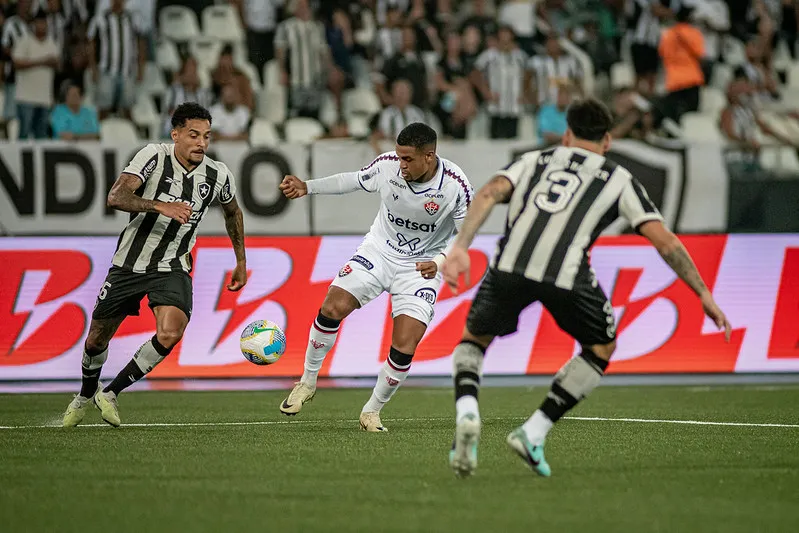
436	183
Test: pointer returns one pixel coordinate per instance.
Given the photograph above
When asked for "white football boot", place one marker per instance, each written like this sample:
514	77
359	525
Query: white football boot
76	410
463	456
301	393
370	421
106	402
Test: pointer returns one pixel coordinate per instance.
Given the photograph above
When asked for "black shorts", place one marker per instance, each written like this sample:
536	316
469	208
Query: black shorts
583	312
646	59
123	291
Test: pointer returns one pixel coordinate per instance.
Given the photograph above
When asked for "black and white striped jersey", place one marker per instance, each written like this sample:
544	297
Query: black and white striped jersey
643	27
563	198
305	45
14	28
504	73
550	71
117	43
393	119
152	242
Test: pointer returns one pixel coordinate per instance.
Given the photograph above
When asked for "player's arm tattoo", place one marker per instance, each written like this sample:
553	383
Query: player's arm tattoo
122	196
680	261
234	224
496	191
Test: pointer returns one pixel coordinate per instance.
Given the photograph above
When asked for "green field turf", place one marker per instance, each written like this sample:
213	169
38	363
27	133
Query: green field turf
318	472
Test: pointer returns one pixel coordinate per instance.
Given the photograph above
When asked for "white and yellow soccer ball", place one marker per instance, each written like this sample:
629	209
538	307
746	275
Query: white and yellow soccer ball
262	342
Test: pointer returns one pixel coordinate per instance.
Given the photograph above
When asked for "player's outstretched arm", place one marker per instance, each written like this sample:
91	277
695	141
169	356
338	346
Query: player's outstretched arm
293	187
122	197
234	224
498	190
677	257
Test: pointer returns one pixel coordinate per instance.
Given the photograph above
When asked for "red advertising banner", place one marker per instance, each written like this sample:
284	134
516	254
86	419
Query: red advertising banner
48	287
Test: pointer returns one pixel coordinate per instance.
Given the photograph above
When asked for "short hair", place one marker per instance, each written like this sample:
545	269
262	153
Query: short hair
418	135
189	111
589	119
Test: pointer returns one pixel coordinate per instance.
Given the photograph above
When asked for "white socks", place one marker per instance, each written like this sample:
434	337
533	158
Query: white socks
320	340
537	427
391	376
466	405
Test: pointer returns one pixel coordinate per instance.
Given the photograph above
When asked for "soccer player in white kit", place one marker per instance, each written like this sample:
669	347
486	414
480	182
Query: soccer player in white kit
424	200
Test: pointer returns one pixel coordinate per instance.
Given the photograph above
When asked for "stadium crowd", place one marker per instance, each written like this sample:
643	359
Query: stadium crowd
303	69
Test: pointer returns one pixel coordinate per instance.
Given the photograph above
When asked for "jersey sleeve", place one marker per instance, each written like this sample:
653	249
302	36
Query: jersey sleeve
635	205
464	198
516	170
143	163
227	192
368	176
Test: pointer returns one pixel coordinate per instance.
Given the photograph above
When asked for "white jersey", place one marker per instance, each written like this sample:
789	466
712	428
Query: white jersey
415	221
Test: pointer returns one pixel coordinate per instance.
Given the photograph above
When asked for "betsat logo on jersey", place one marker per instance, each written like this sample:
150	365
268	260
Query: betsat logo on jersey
411	224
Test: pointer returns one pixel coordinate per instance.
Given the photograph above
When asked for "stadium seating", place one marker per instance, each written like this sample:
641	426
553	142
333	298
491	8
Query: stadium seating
167	56
263	133
118	130
272	104
360	101
701	127
712	101
206	51
303	130
178	23
153	83
621	75
222	22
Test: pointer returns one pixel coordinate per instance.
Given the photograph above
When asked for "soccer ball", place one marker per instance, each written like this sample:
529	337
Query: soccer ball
262	342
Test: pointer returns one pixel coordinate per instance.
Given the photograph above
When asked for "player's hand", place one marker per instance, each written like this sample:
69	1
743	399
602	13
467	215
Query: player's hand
179	211
712	310
457	263
429	269
293	187
238	278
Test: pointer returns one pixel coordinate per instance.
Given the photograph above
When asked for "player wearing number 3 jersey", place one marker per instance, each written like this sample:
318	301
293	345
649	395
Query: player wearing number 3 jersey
560	200
424	200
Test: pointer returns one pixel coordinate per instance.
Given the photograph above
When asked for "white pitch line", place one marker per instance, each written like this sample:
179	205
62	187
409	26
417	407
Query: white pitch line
432	419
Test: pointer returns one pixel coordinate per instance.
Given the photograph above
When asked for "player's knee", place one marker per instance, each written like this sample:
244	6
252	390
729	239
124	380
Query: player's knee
169	337
336	308
96	343
404	343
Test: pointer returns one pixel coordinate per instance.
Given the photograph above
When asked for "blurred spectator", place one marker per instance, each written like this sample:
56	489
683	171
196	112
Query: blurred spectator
76	62
480	14
408	65
75	12
682	49
740	125
643	30
389	36
341	41
500	74
231	119
632	115
762	82
227	73
764	18
143	14
472	46
456	104
551	118
36	58
713	18
520	15
421	19
186	88
553	69
400	113
116	59
14	28
56	24
382	7
72	120
305	63
259	18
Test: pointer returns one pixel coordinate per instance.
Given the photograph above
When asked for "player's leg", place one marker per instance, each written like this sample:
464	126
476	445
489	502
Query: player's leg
170	295
585	314
358	282
95	353
170	322
407	334
494	312
119	297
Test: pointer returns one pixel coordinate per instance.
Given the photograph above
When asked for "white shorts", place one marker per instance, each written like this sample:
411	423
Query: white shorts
368	274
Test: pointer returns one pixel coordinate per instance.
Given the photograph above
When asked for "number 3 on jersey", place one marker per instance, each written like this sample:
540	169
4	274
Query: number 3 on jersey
560	186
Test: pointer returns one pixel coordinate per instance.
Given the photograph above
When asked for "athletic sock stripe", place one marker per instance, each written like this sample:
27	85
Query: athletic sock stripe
397	367
323	329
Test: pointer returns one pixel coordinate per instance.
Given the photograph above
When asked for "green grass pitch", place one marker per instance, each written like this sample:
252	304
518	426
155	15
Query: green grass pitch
318	472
